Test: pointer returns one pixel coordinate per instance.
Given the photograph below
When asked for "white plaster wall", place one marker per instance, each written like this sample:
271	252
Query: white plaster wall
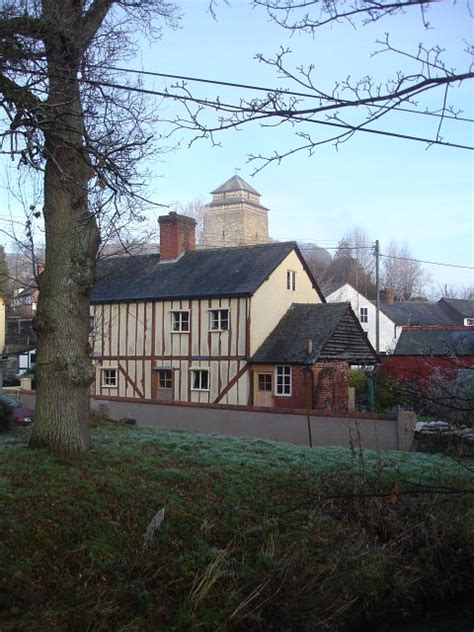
272	299
387	335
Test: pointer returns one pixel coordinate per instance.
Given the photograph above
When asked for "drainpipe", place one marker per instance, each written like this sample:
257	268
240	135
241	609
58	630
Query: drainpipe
309	401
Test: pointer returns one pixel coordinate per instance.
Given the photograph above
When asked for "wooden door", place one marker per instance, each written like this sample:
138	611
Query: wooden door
264	388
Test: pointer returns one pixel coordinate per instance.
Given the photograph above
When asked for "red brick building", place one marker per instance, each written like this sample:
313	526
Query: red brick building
431	356
309	354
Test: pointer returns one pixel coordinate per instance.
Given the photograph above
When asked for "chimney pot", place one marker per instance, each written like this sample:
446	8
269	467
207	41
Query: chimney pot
309	345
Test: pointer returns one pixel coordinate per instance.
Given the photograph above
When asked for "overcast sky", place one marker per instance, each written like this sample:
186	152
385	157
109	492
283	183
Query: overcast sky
393	189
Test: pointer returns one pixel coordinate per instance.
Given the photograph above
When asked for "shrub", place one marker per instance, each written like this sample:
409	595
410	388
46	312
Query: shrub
6	416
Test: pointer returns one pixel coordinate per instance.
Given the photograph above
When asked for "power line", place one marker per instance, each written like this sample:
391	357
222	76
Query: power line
433	263
262	114
230	84
256	114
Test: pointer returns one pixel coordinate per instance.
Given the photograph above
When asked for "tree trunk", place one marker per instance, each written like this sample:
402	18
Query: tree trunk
64	366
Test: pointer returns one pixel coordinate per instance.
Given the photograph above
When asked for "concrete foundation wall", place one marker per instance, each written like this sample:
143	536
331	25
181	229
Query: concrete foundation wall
378	433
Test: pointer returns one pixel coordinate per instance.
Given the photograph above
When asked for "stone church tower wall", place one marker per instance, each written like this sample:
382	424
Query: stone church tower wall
235	216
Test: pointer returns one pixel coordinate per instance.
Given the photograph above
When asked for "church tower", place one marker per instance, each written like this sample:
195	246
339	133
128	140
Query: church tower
235	216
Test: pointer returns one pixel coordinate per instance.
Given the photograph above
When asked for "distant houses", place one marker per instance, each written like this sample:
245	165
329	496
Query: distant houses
394	316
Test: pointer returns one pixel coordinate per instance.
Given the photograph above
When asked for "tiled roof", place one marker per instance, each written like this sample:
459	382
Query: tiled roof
208	273
439	342
287	344
235	184
463	307
417	313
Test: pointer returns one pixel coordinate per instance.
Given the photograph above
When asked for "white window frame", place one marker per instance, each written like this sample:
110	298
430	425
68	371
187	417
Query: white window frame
291	280
364	314
218	321
198	373
469	322
106	381
283	387
177	319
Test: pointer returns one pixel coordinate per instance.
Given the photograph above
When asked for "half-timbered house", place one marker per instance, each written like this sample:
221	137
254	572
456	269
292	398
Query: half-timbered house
184	325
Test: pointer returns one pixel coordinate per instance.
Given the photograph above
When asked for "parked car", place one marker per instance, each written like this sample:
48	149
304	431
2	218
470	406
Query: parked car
22	415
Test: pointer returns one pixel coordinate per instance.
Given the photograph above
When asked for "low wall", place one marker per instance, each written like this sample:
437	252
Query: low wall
368	431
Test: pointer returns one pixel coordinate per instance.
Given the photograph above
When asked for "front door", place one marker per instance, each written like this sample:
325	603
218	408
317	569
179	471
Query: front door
165	384
264	389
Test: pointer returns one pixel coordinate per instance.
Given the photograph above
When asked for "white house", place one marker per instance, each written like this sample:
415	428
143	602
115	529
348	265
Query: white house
365	311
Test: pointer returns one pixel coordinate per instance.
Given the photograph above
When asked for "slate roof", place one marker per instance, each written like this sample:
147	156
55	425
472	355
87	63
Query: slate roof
436	342
211	273
235	184
330	288
417	313
463	307
287	344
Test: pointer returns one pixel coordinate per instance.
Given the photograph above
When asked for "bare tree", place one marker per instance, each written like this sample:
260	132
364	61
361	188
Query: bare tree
420	82
360	248
346	268
196	209
402	273
465	292
319	261
86	139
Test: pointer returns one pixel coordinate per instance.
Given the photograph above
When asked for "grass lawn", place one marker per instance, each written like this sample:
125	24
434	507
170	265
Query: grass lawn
256	536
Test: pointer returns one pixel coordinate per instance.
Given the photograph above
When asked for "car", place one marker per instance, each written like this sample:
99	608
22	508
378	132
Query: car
22	415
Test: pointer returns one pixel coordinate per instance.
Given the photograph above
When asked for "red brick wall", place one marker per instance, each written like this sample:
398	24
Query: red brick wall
331	386
300	390
177	234
324	386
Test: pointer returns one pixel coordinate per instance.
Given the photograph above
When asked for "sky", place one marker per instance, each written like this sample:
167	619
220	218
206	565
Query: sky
391	188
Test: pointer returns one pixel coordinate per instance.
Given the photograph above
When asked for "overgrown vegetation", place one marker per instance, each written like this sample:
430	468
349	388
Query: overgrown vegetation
6	419
256	535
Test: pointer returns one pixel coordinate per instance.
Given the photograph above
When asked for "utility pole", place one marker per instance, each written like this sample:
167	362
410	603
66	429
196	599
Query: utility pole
377	295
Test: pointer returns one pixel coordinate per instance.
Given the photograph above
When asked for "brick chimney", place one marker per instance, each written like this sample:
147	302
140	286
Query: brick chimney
387	296
177	235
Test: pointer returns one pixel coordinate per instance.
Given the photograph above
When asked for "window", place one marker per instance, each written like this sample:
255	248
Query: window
469	322
364	314
180	321
200	379
265	382
109	378
291	280
219	319
283	380
165	378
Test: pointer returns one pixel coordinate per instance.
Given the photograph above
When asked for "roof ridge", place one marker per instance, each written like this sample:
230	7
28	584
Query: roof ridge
245	246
